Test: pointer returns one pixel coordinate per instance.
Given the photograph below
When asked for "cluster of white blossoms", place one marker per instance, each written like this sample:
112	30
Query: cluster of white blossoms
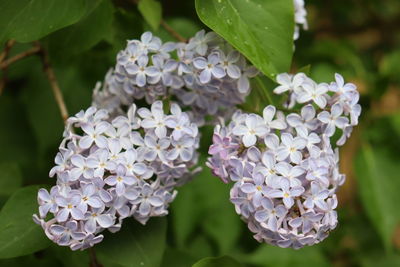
300	18
110	168
284	168
205	75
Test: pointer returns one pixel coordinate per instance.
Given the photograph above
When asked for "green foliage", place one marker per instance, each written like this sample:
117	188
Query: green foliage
135	244
151	11
18	234
29	20
267	255
360	41
262	30
224	261
195	208
93	28
377	175
10	178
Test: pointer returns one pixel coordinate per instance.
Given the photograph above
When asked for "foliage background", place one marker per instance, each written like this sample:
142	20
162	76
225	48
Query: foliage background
357	38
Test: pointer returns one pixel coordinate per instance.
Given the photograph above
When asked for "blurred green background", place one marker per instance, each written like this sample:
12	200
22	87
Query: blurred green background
358	38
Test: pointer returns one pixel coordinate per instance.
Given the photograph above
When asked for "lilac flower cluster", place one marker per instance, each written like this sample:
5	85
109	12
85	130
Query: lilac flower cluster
110	168
206	75
300	18
284	169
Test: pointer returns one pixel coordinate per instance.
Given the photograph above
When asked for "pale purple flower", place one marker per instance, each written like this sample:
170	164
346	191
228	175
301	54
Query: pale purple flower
291	173
164	70
290	148
330	217
47	201
307	220
65	233
314	92
80	168
333	119
209	68
100	162
148	200
270	215
156	148
141	70
68	206
154	119
182	148
228	63
96	218
288	82
254	126
306	120
120	180
256	188
94	134
88	197
317	197
268	114
286	192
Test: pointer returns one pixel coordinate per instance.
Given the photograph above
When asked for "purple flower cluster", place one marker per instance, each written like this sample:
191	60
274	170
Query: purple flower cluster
284	169
206	75
110	168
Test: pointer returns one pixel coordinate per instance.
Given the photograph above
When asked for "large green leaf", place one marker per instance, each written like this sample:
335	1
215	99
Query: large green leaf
19	235
82	36
378	178
29	20
267	255
151	11
176	258
10	178
195	207
135	245
262	30
224	261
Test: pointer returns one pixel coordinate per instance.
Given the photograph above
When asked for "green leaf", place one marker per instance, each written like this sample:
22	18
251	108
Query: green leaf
135	245
10	178
176	258
69	257
17	142
29	20
195	207
19	235
224	261
378	178
151	11
305	69
262	30
267	255
82	36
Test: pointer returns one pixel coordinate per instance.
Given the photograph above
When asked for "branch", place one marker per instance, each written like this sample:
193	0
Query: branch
93	259
3	56
48	70
27	53
173	33
7	48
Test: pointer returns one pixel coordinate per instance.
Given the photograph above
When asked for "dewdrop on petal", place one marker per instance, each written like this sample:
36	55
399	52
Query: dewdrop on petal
112	168
284	169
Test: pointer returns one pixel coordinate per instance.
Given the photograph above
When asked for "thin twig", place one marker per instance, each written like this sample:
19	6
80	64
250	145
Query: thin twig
48	70
22	55
6	51
4	56
93	259
173	33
